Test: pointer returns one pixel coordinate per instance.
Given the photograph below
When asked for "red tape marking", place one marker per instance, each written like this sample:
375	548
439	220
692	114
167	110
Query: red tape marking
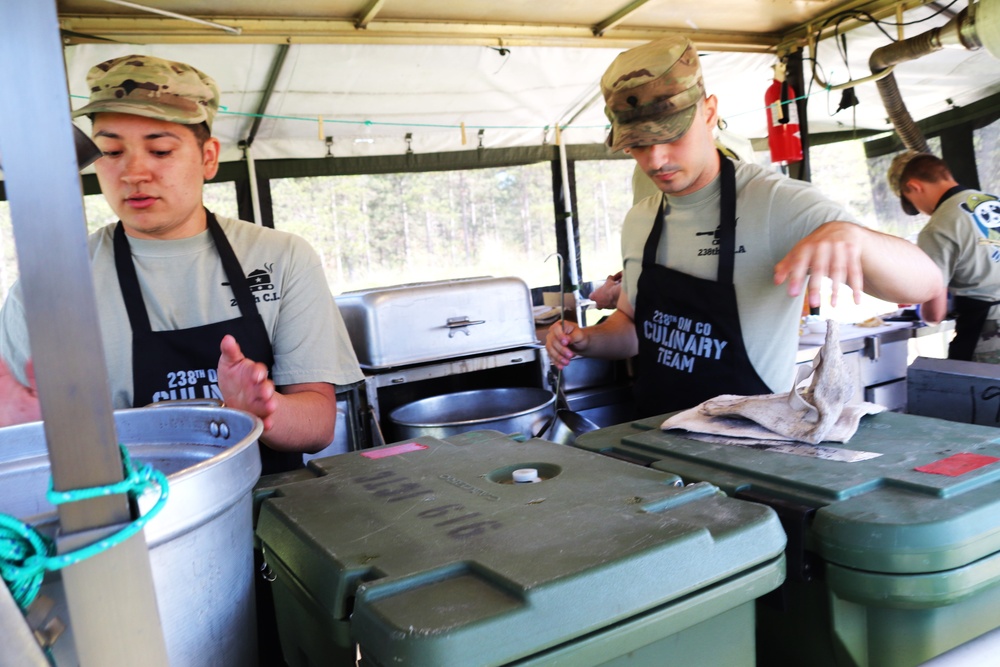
959	464
383	452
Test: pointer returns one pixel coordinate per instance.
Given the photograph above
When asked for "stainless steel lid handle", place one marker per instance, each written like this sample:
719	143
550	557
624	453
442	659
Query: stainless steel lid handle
460	323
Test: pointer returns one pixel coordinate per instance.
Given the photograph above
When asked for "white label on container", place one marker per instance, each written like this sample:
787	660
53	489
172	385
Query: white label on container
789	447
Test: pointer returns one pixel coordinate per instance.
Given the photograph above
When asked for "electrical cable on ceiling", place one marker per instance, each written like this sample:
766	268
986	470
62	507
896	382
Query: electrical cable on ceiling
174	15
503	51
841	40
847	98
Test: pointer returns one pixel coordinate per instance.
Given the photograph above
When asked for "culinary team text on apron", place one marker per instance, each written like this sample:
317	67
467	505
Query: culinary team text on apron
690	342
183	363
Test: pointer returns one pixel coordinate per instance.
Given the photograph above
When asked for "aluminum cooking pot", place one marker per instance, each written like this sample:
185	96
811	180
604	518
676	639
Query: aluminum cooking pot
524	410
200	545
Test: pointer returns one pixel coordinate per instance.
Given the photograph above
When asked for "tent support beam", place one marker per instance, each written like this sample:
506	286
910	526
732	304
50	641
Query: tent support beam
617	17
272	78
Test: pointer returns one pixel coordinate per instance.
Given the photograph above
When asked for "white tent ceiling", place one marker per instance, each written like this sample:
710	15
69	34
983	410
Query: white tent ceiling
432	69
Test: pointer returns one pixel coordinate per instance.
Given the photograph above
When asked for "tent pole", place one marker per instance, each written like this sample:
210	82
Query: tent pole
111	597
254	192
571	257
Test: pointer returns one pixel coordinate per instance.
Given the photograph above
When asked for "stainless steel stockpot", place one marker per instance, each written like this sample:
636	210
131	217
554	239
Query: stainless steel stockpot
200	544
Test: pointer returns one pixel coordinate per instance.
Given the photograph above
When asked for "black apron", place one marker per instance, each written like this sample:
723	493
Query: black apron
970	316
690	341
183	363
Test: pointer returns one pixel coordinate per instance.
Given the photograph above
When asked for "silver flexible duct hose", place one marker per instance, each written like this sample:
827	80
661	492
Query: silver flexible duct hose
893	54
911	49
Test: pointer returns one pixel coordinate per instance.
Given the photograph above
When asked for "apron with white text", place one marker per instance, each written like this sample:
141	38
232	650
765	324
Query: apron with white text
690	341
183	363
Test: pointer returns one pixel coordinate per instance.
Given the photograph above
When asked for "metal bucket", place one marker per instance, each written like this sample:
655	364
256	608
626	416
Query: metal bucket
525	410
201	543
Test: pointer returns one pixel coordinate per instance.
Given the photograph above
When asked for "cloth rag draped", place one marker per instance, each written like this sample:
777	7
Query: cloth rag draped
823	411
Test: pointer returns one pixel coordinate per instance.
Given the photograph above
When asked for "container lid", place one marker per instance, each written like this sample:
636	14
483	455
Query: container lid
419	323
928	502
437	557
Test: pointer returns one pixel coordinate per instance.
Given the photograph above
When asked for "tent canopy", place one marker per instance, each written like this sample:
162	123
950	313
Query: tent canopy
380	77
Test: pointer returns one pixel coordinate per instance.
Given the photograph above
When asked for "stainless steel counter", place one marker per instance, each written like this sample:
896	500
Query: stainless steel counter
880	358
854	338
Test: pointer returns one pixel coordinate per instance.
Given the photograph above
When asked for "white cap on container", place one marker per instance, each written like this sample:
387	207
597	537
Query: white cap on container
526	476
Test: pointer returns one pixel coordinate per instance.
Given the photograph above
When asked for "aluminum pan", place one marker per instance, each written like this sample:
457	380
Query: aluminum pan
423	322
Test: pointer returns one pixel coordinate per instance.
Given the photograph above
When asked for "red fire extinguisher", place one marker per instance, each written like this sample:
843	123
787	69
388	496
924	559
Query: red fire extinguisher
783	135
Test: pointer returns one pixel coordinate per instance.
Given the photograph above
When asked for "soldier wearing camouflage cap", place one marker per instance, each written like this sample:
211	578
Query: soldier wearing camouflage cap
154	88
703	303
191	305
651	93
962	237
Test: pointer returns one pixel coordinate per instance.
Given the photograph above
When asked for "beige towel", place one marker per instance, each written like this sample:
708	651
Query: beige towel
814	414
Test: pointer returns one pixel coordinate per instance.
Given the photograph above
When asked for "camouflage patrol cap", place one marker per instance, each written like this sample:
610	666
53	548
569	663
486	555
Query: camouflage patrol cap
152	87
895	177
651	92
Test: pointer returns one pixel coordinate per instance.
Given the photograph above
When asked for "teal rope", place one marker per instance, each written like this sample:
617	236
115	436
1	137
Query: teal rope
23	553
26	555
224	111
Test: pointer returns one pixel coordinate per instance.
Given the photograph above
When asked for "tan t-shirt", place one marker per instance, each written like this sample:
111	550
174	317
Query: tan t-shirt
952	239
183	285
773	213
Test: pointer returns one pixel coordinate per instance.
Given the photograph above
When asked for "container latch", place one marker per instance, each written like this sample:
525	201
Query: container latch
801	564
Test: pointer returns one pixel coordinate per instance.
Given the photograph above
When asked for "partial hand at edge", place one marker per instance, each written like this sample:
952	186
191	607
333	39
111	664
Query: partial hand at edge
18	404
606	296
244	383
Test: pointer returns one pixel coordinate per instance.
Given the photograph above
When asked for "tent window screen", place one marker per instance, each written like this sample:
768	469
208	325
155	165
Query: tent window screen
383	229
603	197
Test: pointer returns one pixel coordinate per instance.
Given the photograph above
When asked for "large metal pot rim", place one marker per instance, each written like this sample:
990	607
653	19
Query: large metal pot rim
245	439
542	398
198	492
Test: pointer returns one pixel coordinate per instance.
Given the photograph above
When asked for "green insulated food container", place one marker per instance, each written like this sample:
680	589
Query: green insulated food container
428	552
893	538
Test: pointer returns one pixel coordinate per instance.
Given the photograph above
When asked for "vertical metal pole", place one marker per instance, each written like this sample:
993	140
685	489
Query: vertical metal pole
254	193
111	598
800	170
571	258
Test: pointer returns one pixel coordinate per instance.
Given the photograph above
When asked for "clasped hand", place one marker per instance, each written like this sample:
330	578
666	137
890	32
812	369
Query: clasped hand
244	383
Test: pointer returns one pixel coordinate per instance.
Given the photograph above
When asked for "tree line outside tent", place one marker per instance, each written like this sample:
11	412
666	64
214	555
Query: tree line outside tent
376	230
384	229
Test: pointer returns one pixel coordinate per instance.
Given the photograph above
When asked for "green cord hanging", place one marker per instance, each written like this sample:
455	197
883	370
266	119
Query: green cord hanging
26	555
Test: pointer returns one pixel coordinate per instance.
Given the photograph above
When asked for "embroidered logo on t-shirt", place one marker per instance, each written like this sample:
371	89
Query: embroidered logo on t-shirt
260	282
985	213
714	250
